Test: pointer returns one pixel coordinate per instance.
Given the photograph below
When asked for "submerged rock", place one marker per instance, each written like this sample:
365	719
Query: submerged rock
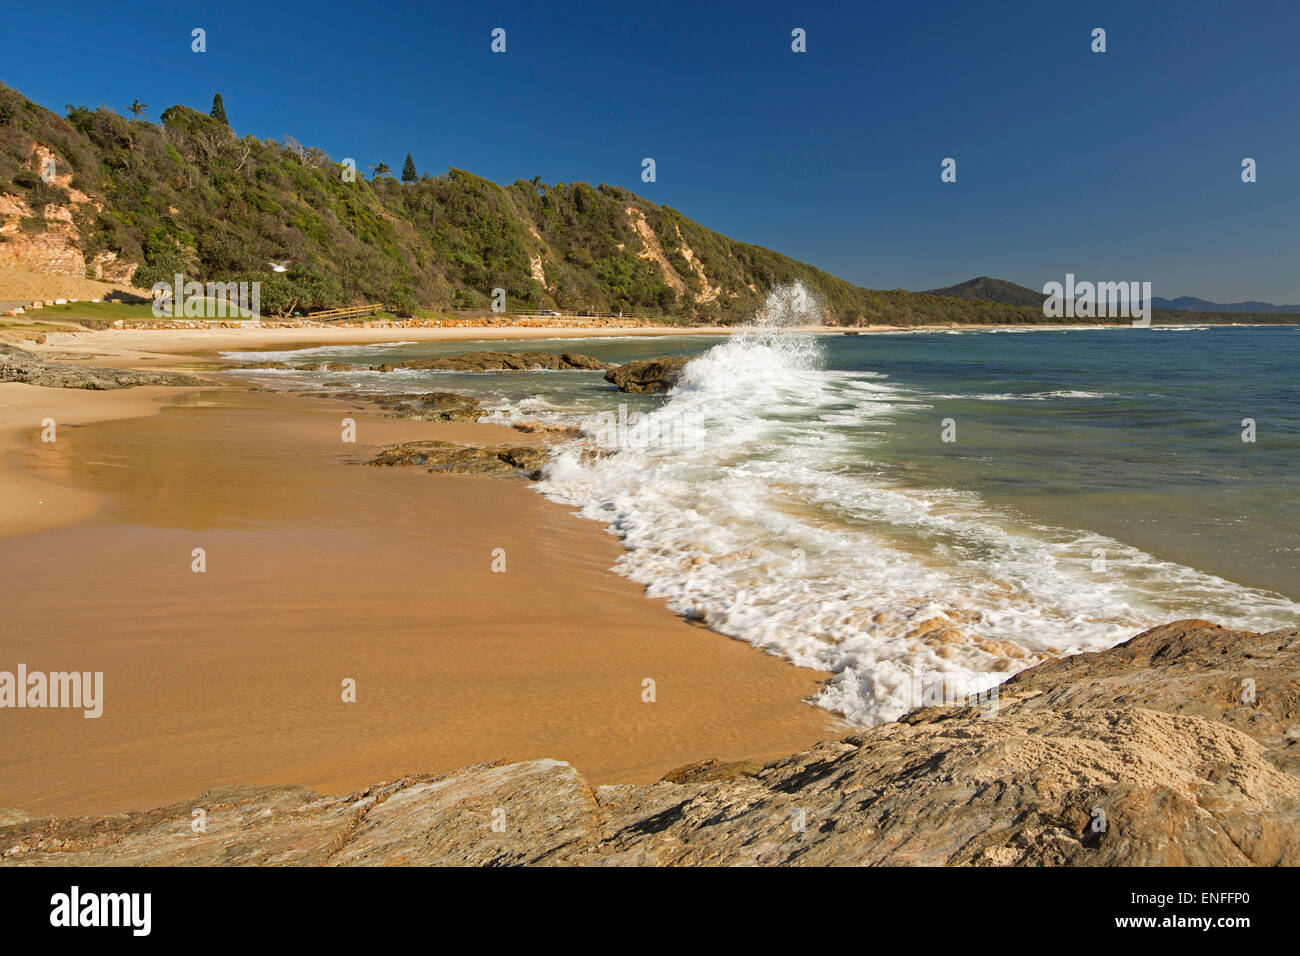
285	366
431	407
451	458
327	367
1136	755
651	375
418	406
501	362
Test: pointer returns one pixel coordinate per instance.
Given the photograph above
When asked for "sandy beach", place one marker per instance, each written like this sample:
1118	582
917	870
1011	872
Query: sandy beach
320	570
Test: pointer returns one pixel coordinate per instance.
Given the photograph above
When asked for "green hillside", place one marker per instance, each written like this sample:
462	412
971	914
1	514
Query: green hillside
189	195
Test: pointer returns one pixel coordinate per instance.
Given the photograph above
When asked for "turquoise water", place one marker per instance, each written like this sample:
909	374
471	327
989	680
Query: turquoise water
1097	484
1136	433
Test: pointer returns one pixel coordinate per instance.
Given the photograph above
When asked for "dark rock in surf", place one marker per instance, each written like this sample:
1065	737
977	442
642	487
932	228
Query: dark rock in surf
501	362
431	407
648	376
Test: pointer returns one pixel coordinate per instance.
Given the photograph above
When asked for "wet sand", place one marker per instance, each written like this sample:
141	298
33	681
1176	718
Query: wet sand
318	570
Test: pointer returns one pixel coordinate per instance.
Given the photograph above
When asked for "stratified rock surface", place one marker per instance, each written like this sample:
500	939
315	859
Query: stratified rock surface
17	365
1136	755
650	375
1249	682
501	362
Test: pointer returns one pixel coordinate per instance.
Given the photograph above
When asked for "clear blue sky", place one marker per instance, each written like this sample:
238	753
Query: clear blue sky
1115	166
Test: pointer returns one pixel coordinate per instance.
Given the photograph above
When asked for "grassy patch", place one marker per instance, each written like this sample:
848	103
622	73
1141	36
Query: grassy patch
110	311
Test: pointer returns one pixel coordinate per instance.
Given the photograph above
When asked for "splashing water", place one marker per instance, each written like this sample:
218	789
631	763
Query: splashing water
769	526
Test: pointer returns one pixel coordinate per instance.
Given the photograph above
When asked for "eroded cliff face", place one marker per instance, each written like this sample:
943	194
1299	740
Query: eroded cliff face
55	249
1177	748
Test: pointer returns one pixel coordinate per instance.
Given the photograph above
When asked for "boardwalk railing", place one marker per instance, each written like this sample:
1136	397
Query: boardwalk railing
350	312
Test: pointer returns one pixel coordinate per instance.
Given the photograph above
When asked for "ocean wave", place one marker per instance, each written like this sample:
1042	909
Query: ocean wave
767	525
1025	397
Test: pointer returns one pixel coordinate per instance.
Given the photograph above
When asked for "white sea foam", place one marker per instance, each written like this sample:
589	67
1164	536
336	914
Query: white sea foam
770	527
321	352
1024	397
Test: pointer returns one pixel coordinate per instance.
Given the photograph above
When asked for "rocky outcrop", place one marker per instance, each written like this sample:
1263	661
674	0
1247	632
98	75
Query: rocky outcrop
501	362
1145	754
450	458
17	365
55	249
1192	668
651	375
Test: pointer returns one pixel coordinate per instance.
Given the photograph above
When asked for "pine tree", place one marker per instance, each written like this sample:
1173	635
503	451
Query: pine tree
408	170
219	110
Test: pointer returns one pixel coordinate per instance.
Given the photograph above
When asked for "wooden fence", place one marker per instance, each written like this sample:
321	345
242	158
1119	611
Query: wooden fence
350	312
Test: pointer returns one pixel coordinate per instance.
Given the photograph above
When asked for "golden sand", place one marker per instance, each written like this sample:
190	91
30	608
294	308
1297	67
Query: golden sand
317	571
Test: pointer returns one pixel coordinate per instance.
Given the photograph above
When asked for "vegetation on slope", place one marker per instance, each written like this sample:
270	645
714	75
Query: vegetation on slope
189	195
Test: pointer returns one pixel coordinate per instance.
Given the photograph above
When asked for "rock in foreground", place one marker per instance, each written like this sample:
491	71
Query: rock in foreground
651	375
1062	774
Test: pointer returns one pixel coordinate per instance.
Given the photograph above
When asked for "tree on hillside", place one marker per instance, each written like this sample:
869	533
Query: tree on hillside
219	110
409	174
137	108
381	169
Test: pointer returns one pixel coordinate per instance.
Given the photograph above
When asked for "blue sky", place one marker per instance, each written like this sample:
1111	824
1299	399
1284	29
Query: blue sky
1116	166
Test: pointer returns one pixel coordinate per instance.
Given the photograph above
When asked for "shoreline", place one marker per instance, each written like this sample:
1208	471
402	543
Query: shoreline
193	348
155	453
318	570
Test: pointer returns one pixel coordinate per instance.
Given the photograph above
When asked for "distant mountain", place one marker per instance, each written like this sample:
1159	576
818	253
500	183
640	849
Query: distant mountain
985	289
1189	303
